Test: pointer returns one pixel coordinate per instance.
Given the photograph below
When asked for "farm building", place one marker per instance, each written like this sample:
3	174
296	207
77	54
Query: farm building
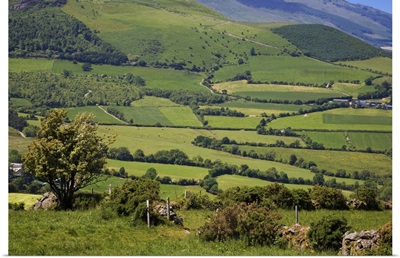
17	169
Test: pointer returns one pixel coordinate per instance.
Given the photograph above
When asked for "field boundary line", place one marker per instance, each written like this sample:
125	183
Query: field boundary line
105	111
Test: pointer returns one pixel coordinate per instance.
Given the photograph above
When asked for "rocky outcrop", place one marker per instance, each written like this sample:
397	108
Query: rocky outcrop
295	236
47	201
367	241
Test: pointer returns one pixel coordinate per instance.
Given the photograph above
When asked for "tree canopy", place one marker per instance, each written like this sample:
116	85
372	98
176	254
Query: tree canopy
67	157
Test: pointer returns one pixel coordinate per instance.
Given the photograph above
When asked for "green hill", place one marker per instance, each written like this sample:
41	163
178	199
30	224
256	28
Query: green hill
325	43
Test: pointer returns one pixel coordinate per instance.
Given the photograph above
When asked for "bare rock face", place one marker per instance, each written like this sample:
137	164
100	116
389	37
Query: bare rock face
47	201
366	241
296	237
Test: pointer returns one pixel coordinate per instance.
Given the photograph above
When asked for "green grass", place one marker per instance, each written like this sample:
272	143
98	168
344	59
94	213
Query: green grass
19	102
17	142
152	139
376	141
86	233
174	171
99	115
363	119
356	119
333	160
230	181
30	65
155	78
256	109
372	220
382	64
292	69
28	199
328	139
232	122
277	92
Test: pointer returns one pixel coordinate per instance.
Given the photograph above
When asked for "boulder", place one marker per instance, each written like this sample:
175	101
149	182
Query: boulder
48	201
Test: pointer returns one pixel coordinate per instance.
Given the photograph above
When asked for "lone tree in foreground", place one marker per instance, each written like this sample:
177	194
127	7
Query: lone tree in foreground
67	157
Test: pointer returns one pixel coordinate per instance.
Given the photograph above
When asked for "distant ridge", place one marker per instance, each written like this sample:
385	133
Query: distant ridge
369	24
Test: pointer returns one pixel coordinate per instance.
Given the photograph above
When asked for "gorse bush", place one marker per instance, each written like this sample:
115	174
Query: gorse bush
327	233
255	224
124	200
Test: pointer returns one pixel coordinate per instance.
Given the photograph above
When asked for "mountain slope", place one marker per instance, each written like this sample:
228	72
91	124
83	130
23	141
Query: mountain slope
366	23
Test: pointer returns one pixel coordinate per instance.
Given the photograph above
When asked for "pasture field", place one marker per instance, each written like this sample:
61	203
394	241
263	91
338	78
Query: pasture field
174	171
351	89
291	69
253	137
87	233
155	78
376	141
17	142
333	160
230	181
151	115
328	139
256	109
360	140
339	119
28	199
30	65
277	92
382	64
149	101
233	122
152	139
19	102
99	115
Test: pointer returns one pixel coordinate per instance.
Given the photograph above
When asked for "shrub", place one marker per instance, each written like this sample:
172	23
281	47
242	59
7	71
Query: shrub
327	233
198	201
16	206
124	200
86	200
254	224
328	198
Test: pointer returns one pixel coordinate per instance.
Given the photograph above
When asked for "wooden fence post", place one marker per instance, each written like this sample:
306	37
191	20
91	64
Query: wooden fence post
297	214
109	189
168	209
148	213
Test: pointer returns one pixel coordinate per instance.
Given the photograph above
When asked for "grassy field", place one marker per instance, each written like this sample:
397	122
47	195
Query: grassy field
174	171
151	140
28	199
17	142
333	160
86	233
155	78
328	139
339	119
360	141
382	64
277	92
291	69
165	115
256	109
233	122
376	141
99	115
